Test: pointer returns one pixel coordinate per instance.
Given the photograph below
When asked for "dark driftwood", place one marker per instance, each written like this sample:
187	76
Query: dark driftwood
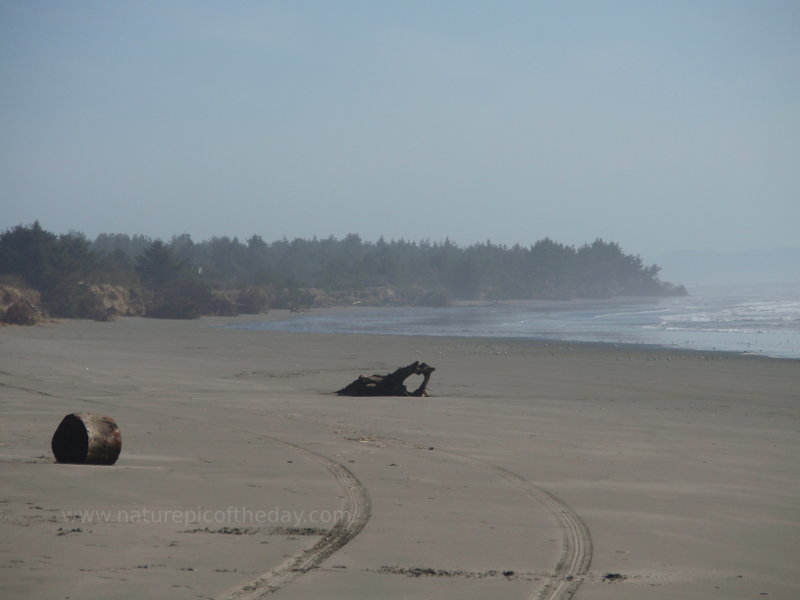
88	439
390	384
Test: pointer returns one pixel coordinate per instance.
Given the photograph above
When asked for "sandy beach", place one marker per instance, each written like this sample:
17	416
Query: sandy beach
533	470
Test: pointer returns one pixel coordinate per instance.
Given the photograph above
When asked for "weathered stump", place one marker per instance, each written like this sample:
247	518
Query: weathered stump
87	438
390	384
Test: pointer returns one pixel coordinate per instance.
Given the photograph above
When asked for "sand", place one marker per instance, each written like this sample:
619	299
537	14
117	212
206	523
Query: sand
533	471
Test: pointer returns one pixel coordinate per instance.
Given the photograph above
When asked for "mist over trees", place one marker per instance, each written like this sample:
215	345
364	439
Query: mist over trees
184	278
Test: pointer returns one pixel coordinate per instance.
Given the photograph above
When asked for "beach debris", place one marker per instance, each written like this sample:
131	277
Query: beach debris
86	438
431	572
391	384
614	577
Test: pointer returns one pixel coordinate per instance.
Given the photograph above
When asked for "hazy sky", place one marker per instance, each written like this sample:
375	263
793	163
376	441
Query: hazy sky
663	125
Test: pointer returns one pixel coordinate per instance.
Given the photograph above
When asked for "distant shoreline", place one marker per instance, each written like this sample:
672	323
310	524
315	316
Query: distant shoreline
236	323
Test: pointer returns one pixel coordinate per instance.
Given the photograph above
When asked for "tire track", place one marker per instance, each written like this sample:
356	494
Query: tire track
576	549
357	511
569	573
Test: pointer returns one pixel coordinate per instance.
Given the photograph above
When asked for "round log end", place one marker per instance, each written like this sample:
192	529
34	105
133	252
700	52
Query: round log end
85	438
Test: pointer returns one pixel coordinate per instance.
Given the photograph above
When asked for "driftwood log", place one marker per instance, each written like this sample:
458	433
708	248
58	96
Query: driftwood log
86	438
391	384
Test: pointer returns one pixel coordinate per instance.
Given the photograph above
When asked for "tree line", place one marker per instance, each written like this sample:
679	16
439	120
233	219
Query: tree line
183	276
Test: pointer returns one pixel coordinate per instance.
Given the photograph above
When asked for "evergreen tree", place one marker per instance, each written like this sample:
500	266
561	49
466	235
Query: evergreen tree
158	266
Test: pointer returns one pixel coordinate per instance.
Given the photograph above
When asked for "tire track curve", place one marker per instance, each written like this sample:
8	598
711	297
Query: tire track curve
576	549
569	573
356	511
355	514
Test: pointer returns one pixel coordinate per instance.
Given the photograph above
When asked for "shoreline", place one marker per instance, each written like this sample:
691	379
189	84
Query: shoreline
661	467
285	315
234	323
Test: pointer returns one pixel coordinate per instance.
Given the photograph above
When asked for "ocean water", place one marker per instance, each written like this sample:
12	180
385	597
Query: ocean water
763	319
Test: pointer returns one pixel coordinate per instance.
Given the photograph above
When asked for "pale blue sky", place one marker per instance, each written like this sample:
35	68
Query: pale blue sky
663	125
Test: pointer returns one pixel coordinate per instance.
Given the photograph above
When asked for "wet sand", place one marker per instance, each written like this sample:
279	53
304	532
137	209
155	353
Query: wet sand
533	471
